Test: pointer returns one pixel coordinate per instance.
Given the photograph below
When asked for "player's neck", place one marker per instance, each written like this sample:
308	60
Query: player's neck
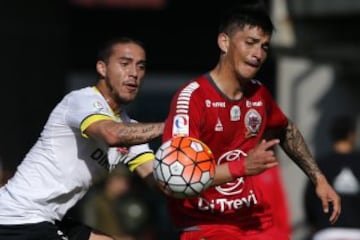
227	84
105	92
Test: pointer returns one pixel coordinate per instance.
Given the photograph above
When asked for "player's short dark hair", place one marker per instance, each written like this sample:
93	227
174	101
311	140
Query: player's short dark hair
106	48
251	13
341	127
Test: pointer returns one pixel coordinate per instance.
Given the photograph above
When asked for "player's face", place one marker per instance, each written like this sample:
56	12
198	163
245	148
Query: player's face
247	50
125	71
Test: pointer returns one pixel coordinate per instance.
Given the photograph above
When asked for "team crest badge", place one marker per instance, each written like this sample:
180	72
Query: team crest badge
252	123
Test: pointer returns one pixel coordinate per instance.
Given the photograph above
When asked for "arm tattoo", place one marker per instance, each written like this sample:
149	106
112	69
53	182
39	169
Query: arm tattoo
294	145
138	133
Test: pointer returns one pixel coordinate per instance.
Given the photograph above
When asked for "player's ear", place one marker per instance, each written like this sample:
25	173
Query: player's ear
223	42
101	68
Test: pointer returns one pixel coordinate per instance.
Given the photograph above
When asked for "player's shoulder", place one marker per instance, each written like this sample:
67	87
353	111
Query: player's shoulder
86	94
83	92
84	98
194	86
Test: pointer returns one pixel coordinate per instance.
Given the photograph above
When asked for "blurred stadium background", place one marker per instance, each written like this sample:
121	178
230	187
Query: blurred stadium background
49	48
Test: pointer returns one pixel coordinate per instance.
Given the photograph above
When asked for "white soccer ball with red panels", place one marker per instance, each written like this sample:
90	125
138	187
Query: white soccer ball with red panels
184	167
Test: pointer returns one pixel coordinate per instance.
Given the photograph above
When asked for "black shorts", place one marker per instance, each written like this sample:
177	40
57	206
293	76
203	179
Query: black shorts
67	229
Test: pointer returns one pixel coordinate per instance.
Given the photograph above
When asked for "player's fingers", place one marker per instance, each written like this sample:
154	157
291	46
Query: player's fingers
334	216
325	204
271	154
268	144
260	143
270	157
336	211
272	164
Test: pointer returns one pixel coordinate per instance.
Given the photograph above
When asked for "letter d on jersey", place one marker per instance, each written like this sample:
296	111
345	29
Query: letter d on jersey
181	125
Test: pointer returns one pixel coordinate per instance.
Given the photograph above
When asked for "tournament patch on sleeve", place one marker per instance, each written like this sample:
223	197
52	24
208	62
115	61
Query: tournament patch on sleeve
180	125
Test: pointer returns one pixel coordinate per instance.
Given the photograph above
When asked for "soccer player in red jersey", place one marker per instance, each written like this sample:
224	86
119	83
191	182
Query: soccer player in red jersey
230	111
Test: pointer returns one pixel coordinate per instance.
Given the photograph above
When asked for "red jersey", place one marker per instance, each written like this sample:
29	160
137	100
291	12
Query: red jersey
230	128
273	189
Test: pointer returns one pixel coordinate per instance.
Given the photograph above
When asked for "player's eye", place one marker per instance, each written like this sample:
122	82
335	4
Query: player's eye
141	66
124	63
266	47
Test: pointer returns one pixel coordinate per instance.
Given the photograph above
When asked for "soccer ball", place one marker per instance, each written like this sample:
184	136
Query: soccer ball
184	167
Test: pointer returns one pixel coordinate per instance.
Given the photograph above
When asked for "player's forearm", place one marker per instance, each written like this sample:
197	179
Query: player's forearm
138	133
222	175
294	145
145	171
128	134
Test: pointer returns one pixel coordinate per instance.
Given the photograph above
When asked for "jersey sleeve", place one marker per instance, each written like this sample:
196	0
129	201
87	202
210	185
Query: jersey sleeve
85	109
131	157
276	118
184	118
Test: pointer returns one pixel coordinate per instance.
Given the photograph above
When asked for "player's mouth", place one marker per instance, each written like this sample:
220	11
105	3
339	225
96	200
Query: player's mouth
253	64
131	86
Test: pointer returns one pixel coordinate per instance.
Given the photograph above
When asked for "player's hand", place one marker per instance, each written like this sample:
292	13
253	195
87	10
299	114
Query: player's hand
261	157
328	196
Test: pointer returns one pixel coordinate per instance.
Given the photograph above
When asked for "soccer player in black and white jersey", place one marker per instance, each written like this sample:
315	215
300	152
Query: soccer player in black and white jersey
87	133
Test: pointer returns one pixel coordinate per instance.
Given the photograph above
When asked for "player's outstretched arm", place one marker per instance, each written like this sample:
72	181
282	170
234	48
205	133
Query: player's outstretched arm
145	171
293	143
116	134
259	159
